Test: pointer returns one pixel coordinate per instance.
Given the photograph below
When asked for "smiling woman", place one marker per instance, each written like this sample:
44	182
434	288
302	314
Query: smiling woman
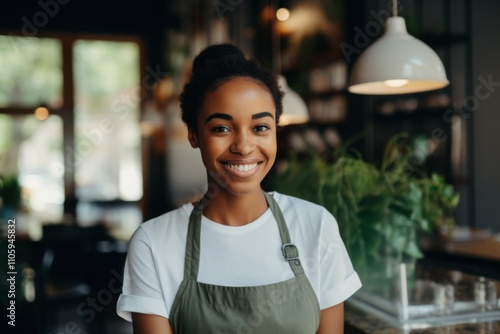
240	260
236	135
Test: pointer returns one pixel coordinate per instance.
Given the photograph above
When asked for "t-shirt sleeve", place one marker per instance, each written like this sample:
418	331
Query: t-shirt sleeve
141	292
338	279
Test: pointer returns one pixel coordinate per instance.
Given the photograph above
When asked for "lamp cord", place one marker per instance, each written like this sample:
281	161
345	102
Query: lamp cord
276	47
394	7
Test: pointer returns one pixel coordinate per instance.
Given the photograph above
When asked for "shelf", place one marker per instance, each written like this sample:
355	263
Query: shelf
443	40
416	114
318	60
324	94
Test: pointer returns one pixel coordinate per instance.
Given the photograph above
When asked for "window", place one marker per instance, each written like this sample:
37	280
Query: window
107	146
28	148
30	72
98	124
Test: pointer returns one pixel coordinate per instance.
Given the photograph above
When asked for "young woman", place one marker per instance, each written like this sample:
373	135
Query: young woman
240	260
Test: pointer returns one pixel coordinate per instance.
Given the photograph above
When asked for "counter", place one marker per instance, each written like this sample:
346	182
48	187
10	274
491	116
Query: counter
360	322
473	254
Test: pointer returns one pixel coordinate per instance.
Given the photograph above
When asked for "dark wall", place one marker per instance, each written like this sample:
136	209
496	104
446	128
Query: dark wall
486	118
146	19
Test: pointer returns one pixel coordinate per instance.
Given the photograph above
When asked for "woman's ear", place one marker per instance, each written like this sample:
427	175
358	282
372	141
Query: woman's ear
193	138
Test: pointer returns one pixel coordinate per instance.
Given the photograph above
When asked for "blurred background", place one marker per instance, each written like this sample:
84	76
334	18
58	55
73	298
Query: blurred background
92	145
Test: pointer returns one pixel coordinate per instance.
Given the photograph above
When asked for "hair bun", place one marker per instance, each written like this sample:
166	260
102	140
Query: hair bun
214	53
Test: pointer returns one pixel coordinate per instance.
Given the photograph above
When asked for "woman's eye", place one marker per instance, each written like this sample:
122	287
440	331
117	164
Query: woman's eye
220	128
261	128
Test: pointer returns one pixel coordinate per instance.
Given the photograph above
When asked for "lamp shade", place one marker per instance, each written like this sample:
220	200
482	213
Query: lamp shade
294	107
397	63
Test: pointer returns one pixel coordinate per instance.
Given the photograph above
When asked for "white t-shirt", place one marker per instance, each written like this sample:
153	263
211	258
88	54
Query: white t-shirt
248	255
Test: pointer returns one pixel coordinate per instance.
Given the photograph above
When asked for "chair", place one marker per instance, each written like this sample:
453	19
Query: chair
66	273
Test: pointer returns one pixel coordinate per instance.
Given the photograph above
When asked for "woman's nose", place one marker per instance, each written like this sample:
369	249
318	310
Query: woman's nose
242	144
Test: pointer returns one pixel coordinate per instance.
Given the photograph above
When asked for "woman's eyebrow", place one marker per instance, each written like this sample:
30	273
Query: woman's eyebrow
230	118
219	115
262	114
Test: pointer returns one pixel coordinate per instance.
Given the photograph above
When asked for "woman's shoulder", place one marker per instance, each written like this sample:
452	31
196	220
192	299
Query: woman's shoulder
307	218
165	224
302	210
287	201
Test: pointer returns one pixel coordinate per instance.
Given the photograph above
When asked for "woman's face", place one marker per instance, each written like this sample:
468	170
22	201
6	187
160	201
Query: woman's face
236	136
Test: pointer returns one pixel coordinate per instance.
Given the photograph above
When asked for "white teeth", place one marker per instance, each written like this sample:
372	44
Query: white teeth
242	168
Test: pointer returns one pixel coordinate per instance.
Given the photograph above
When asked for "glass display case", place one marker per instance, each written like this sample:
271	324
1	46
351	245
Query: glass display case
418	296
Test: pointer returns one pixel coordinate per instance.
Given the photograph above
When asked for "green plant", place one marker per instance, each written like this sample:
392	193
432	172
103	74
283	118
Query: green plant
440	202
10	192
380	209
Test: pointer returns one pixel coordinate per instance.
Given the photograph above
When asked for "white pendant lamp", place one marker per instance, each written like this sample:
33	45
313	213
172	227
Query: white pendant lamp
294	107
397	63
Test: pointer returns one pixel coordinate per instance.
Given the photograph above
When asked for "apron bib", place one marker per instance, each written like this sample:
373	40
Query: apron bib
288	307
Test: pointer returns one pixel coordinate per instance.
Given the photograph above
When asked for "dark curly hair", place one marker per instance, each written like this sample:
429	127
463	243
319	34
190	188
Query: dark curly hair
214	66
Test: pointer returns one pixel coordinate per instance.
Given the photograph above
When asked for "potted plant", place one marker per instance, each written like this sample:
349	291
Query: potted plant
380	209
10	196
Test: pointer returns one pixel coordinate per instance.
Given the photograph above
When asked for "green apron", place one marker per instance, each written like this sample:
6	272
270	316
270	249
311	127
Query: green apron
287	307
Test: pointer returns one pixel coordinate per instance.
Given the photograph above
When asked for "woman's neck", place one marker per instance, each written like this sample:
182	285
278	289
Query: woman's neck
235	210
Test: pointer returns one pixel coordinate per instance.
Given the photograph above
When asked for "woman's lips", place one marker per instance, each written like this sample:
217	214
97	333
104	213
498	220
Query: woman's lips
241	170
243	167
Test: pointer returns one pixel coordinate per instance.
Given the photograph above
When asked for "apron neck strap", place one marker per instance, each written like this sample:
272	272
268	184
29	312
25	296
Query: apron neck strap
288	249
192	256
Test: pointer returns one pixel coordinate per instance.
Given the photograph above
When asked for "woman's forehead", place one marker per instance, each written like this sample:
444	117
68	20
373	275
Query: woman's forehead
240	91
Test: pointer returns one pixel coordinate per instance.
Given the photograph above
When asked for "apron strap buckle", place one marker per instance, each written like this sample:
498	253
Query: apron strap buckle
290	252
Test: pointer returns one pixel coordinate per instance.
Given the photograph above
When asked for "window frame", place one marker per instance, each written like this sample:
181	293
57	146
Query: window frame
67	109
